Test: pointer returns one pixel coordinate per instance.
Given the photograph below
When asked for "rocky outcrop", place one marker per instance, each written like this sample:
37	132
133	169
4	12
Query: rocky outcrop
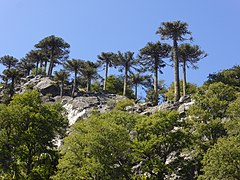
84	103
146	109
44	85
81	107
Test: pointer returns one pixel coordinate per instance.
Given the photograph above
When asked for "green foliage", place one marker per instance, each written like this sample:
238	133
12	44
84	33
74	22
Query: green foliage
115	86
8	61
121	105
119	145
55	48
229	76
191	89
206	117
27	131
233	113
98	148
158	140
222	161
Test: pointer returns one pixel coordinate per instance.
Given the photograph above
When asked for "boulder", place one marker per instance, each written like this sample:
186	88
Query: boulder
47	86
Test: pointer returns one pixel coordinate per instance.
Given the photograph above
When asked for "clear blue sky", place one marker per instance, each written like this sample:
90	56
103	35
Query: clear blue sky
95	26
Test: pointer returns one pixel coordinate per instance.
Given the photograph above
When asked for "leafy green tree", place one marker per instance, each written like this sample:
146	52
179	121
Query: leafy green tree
189	56
151	95
62	77
125	61
98	148
191	89
206	118
158	145
233	115
74	66
55	48
89	72
8	61
222	161
106	58
151	57
115	86
176	31
228	76
27	129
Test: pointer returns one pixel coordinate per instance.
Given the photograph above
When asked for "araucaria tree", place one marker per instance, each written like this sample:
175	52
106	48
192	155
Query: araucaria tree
189	56
56	49
8	61
105	58
125	61
38	57
74	66
61	76
176	31
151	58
89	72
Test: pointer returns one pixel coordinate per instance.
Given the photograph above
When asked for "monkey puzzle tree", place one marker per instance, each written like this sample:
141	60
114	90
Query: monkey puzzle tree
89	71
38	57
25	65
107	59
138	79
125	61
8	61
61	76
13	74
151	58
189	56
74	66
55	48
176	31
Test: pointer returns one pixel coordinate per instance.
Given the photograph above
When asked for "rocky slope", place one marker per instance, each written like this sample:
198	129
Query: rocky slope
81	106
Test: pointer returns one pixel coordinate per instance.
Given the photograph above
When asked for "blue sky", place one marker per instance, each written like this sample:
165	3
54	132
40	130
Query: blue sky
95	26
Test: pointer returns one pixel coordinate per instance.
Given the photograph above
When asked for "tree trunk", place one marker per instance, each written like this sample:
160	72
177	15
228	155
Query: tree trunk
61	89
184	78
156	84
45	67
12	87
106	75
136	86
50	64
89	85
125	81
74	83
176	71
36	73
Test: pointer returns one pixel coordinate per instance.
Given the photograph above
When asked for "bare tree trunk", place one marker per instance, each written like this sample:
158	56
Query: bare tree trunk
74	84
176	71
45	67
136	86
156	84
36	73
184	78
50	64
125	81
89	85
61	89
106	75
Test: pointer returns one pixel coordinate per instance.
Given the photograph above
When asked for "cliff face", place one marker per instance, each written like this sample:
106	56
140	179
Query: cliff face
83	104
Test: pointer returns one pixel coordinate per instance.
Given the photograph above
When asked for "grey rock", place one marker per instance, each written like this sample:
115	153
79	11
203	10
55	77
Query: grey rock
47	86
